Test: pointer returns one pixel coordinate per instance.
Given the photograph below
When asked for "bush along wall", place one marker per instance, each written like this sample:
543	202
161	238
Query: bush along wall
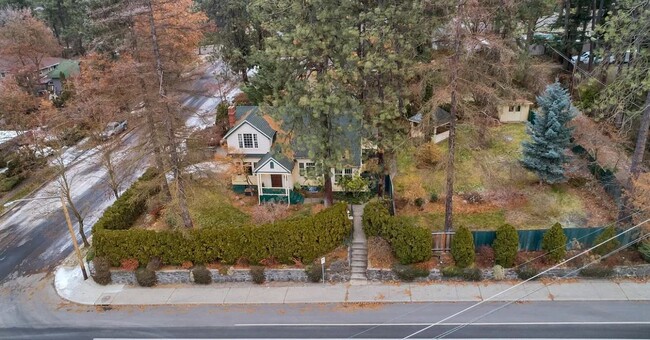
130	205
300	239
411	244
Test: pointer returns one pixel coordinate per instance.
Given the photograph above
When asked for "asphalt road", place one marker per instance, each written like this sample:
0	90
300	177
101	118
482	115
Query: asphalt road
34	237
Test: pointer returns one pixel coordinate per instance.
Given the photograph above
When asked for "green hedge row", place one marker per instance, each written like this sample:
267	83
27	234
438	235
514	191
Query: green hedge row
129	206
297	239
411	244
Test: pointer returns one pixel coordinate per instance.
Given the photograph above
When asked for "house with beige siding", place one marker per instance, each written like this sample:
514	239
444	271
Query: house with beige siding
270	171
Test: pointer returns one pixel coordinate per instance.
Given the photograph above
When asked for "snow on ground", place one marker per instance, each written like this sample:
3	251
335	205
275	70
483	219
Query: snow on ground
71	154
6	135
205	112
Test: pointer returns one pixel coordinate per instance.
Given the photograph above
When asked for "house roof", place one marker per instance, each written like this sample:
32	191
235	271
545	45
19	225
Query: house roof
276	156
440	117
67	67
11	64
251	115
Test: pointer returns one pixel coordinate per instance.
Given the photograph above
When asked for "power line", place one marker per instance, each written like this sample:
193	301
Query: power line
527	280
538	289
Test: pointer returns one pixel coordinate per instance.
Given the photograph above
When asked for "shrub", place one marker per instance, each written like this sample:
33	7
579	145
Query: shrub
409	273
411	244
257	273
506	245
129	206
554	243
498	272
472	197
433	197
102	271
597	272
154	263
303	239
202	275
472	274
129	264
485	256
462	247
451	271
577	182
419	202
314	273
644	249
146	277
526	272
429	155
90	255
608	246
187	264
6	184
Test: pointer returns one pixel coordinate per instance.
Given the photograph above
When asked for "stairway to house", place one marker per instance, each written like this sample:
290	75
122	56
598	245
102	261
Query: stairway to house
359	249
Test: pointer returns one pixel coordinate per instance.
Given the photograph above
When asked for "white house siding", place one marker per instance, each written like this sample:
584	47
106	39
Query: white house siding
263	143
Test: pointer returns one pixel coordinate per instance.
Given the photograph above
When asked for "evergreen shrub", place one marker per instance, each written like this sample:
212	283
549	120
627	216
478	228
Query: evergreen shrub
102	271
506	245
462	247
472	274
526	272
257	273
451	271
314	273
409	273
554	243
146	277
411	244
608	246
202	275
498	272
597	272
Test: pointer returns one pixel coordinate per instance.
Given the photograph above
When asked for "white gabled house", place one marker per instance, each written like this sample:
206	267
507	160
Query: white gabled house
267	171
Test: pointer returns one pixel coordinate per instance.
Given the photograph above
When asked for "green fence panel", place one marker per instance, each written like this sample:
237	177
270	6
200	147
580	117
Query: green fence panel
531	240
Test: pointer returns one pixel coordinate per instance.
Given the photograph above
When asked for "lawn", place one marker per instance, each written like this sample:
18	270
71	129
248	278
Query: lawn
491	167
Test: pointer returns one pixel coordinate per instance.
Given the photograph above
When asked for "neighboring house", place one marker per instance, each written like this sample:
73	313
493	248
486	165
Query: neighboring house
265	168
49	70
514	111
435	125
53	79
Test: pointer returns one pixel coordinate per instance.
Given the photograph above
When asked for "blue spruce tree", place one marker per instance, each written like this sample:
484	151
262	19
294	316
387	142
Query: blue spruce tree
545	154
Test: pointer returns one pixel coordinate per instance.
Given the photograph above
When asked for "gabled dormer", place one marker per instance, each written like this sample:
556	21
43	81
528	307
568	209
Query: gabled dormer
250	132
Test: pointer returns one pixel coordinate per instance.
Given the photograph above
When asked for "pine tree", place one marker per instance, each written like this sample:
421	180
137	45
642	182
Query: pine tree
554	243
550	135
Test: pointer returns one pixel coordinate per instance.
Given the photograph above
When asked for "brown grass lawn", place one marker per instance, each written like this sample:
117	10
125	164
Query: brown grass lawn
511	194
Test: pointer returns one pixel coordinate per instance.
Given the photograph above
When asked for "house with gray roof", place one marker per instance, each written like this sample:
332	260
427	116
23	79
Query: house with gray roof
431	125
269	169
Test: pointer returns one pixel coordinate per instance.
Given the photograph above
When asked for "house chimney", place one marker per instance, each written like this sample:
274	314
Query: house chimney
231	116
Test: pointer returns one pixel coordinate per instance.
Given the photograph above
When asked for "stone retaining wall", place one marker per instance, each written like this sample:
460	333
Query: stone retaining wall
174	276
639	271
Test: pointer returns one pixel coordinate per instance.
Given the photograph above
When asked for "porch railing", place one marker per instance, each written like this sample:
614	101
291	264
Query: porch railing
275	191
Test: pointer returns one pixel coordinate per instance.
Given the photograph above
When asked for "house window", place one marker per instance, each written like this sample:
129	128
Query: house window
272	165
340	173
307	168
515	108
247	140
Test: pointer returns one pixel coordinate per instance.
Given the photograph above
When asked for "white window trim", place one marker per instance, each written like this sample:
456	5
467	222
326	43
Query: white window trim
242	139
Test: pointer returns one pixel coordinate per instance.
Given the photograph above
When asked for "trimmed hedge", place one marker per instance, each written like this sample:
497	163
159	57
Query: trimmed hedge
506	245
411	244
608	246
129	206
462	247
301	239
554	243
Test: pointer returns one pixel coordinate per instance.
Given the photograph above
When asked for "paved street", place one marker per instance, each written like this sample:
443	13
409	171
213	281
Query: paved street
34	237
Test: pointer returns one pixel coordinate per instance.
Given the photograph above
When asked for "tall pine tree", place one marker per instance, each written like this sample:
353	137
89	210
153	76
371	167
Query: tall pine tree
550	135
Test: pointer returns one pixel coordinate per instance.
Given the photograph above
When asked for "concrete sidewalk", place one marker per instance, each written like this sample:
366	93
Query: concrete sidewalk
70	286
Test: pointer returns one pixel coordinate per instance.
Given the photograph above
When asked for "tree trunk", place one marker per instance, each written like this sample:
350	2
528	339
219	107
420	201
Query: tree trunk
567	36
173	152
244	76
65	188
635	166
592	43
449	198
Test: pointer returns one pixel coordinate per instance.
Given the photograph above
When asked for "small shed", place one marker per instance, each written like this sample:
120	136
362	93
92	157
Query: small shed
515	111
434	124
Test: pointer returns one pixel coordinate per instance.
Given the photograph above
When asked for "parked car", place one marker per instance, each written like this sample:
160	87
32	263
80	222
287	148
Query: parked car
112	129
584	58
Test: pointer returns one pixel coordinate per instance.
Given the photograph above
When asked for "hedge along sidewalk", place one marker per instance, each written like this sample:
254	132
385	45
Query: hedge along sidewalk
70	286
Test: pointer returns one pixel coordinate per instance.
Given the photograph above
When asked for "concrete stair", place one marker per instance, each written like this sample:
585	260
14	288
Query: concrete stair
358	250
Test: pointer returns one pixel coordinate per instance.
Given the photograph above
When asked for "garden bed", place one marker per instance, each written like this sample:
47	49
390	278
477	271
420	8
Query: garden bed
490	170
